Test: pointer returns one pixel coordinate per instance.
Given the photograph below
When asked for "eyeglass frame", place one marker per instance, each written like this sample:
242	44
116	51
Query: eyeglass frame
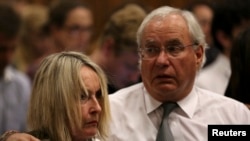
76	30
166	49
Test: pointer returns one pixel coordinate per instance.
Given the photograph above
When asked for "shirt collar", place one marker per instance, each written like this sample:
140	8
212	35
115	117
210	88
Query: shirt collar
150	103
187	104
8	74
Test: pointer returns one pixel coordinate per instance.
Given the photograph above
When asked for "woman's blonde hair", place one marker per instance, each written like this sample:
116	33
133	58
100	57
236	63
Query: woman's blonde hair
55	101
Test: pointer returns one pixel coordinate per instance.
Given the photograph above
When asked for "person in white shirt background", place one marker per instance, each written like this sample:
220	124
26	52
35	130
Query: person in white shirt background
230	18
15	86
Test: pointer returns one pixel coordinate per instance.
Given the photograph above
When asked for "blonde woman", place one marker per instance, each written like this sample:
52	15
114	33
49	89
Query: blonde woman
69	100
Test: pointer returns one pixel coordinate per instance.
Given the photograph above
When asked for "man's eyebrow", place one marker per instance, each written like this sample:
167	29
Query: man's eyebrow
173	41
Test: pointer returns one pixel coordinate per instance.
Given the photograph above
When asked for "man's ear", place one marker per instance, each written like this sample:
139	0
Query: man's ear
108	46
199	53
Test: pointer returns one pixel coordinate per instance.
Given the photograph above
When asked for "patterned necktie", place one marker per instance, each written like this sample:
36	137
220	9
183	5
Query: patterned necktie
164	132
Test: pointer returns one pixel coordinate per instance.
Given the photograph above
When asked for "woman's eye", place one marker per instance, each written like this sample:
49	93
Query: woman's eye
83	97
99	94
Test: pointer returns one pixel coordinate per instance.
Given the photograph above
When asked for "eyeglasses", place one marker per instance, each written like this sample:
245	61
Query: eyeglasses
149	53
76	30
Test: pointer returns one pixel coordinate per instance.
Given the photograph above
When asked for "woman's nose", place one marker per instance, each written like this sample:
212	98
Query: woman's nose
96	107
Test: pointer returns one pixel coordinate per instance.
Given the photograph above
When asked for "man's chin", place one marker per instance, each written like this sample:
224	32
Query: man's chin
165	86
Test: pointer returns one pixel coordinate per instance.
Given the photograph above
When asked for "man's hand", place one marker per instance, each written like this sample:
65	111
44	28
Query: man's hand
21	137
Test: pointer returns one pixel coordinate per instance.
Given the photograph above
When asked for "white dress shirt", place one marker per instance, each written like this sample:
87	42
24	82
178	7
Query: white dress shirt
136	116
215	77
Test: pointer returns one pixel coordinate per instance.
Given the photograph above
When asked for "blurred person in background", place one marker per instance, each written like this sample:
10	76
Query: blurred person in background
63	26
70	25
15	86
238	86
116	49
203	11
34	42
230	18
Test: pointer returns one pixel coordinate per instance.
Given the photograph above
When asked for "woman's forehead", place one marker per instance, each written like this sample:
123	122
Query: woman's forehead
90	78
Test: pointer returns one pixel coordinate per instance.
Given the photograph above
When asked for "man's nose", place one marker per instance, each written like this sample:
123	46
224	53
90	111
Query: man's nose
163	57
